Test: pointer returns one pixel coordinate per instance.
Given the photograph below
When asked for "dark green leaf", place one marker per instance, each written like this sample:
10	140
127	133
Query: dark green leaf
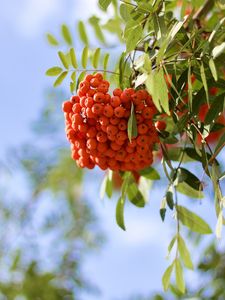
60	79
82	32
162	212
120	213
54	71
96	57
189	178
184	253
84	57
169	199
66	35
192	221
220	144
134	195
132	124
203	77
52	40
150	173
166	277
63	59
73	58
179	276
215	109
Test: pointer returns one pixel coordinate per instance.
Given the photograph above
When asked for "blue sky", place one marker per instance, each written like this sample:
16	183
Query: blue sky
132	261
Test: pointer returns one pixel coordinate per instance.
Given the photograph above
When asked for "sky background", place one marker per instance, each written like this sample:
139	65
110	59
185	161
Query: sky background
132	261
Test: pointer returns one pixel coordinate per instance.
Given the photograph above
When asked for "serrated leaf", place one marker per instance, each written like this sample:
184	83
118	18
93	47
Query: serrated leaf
120	213
60	78
184	253
52	40
219	225
192	221
54	71
132	124
213	69
63	59
82	32
166	277
150	173
95	59
179	276
205	85
84	57
218	50
73	58
66	34
105	61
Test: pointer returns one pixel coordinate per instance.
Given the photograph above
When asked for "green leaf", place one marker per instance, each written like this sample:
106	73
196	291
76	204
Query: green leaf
73	58
134	195
222	176
120	213
105	61
215	109
133	38
82	32
80	78
54	71
84	57
184	253
125	11
189	178
220	144
179	276
205	85
169	199
104	4
166	277
66	35
219	225
150	173
106	186
60	79
132	124
63	59
94	21
213	69
171	244
73	76
218	50
189	86
72	86
192	221
95	59
52	40
187	190
162	213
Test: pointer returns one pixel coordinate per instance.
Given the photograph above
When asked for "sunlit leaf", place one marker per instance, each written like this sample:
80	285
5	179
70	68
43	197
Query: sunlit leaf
96	56
120	213
219	225
150	173
84	57
166	277
66	34
52	40
205	85
179	276
63	59
60	79
218	50
54	71
73	58
104	3
82	32
213	69
184	253
192	221
105	61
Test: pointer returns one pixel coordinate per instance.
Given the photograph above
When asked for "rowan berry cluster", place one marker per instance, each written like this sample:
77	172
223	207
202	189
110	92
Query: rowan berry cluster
96	126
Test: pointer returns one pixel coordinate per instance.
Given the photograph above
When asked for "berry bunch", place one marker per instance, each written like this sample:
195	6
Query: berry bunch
96	126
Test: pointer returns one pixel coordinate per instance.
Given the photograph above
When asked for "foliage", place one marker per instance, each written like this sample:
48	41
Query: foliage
174	50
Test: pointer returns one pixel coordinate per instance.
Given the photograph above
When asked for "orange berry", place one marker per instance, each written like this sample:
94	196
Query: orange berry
101	137
89	113
102	147
117	92
147	113
120	155
74	99
90	93
91	144
111	137
114	120
67	106
104	120
160	125
115	101
108	111
111	129
119	112
121	135
97	108
115	146
77	119
142	140
143	149
88	77
140	107
98	76
142	128
94	82
91	132
110	153
88	102
122	125
99	97
83	128
76	108
139	118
